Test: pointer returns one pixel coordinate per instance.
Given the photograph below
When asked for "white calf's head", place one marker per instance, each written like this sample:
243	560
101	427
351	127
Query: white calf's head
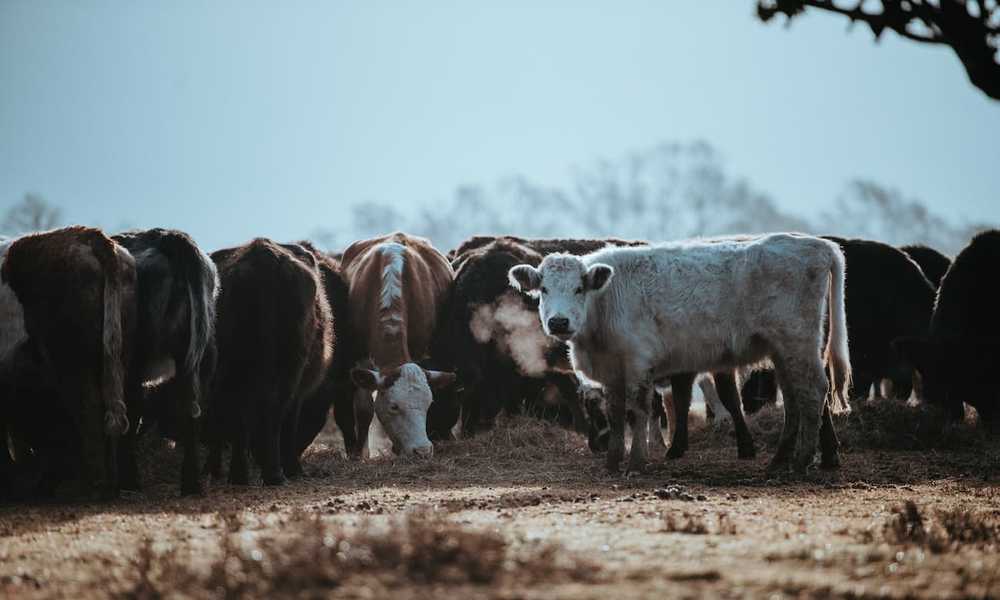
565	286
402	397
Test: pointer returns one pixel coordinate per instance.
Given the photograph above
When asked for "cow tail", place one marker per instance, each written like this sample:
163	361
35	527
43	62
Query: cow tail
202	283
113	368
838	357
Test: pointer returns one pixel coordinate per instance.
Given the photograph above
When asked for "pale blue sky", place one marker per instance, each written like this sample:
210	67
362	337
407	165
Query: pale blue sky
236	119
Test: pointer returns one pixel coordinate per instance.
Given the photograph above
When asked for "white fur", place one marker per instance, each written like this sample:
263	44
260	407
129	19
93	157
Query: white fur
402	410
392	273
701	306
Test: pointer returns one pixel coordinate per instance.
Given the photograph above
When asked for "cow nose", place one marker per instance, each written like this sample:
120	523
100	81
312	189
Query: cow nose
558	325
424	451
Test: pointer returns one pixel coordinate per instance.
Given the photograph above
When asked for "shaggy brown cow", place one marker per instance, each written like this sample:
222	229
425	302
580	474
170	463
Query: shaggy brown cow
398	284
76	288
177	289
274	337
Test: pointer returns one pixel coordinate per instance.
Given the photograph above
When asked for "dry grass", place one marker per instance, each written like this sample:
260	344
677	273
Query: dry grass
876	424
695	524
943	531
309	555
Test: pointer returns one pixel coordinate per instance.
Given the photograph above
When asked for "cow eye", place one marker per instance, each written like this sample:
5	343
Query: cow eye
579	290
394	407
545	290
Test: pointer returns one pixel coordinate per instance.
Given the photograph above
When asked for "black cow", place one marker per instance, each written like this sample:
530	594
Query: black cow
177	290
931	262
64	372
959	356
274	337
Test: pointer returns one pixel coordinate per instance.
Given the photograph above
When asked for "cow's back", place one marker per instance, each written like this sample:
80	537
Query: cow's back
423	287
970	291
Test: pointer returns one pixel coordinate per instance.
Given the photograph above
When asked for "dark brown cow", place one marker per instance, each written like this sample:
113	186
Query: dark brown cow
76	288
398	285
274	337
337	388
177	290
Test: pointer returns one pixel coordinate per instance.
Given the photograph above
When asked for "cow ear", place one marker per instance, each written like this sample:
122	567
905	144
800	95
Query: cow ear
439	380
525	278
916	351
367	379
598	276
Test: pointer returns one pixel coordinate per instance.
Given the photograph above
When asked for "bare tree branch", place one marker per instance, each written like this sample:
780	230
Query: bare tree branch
31	214
973	37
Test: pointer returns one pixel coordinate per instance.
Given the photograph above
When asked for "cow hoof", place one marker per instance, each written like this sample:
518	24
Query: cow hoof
635	469
275	481
196	489
830	463
779	465
676	452
746	452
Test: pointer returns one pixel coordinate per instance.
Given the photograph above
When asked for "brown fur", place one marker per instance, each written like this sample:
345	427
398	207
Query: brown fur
275	343
67	280
427	277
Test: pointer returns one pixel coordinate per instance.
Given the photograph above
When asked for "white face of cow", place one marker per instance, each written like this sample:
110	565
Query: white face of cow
401	402
565	286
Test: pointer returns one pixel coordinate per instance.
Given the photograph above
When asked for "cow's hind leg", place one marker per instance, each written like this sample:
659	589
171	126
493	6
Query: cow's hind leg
829	444
805	387
681	385
729	396
790	430
657	414
637	399
616	422
239	467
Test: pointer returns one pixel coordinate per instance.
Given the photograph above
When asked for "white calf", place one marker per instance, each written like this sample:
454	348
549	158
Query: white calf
634	316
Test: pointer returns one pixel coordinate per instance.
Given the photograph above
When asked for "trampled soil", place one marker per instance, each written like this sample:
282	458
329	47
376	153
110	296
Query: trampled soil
526	511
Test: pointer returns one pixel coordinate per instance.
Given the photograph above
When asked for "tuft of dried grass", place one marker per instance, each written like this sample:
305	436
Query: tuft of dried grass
309	556
876	424
693	524
945	530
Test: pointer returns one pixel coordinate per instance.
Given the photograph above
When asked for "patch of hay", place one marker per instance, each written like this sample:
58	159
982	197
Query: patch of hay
310	556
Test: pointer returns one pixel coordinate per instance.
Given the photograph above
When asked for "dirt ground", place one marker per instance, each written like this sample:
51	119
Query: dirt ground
526	511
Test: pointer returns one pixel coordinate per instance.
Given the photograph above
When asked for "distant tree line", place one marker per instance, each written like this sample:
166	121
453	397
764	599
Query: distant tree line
670	191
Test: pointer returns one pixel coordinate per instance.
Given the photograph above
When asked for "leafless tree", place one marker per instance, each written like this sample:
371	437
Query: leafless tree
970	28
33	213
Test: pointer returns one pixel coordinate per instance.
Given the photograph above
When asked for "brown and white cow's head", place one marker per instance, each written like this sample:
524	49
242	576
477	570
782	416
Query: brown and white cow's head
402	397
565	286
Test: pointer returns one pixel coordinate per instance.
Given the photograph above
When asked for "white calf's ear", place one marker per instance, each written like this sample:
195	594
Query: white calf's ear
598	276
439	380
367	379
525	278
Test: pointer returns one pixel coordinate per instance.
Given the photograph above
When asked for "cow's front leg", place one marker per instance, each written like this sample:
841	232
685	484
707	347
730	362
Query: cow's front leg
637	399
616	422
657	413
681	385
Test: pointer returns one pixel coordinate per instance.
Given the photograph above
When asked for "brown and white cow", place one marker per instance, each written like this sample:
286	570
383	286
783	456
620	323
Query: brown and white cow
398	284
76	290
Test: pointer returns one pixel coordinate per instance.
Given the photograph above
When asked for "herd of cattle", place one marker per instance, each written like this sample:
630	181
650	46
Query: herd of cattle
105	339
